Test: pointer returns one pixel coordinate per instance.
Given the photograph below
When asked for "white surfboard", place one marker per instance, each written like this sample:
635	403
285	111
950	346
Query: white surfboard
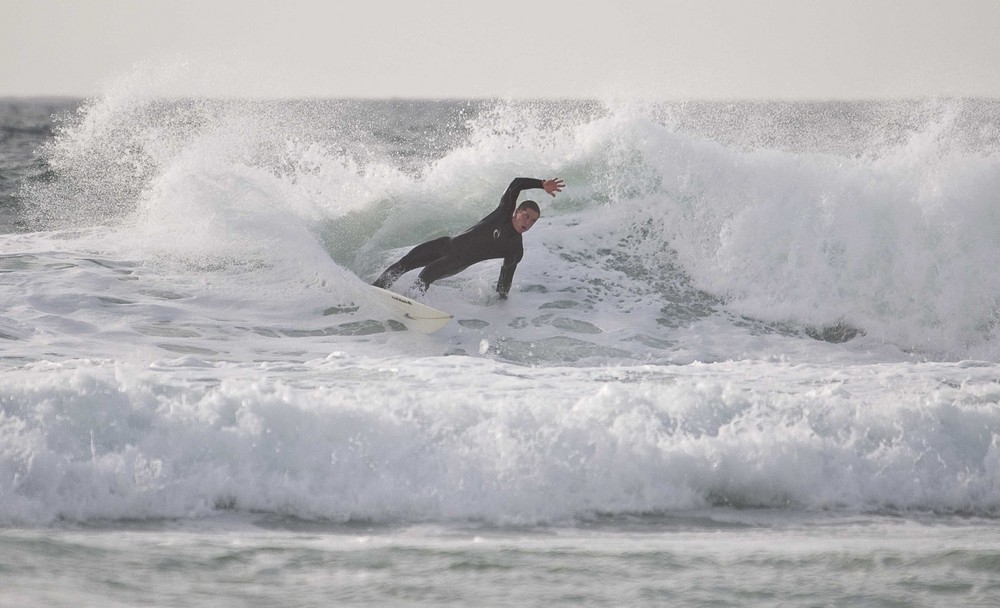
410	313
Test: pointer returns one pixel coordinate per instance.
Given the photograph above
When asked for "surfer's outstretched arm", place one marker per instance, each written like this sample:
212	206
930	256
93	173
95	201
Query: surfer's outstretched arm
553	185
519	184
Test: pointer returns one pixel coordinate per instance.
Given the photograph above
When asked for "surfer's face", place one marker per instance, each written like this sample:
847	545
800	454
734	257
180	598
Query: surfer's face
524	220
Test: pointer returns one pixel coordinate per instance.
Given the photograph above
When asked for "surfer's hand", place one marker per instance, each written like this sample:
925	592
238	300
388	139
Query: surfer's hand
553	185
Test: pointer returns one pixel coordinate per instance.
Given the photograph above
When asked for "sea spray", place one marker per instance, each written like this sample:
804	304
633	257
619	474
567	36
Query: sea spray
889	234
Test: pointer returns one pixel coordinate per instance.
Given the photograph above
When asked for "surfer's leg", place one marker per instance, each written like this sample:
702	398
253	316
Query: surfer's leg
419	288
439	269
421	255
389	276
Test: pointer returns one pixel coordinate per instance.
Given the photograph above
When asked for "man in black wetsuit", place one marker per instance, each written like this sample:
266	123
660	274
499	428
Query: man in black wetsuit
498	235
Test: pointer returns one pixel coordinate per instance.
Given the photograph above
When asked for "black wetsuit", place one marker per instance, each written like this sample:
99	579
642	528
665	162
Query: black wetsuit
493	237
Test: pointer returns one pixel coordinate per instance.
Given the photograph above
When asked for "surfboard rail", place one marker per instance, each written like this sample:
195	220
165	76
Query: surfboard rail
414	315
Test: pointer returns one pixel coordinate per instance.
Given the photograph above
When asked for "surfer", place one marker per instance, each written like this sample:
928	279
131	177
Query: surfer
498	235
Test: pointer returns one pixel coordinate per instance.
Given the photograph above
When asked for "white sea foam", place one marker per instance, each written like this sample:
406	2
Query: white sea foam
359	438
697	321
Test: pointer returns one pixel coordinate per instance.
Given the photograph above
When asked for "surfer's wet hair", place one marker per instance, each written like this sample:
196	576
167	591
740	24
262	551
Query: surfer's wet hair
529	205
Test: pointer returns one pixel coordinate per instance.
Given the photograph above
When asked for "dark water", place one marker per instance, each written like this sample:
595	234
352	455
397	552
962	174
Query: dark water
25	125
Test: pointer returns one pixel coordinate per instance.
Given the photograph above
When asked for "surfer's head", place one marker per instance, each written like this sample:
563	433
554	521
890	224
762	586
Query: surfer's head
526	215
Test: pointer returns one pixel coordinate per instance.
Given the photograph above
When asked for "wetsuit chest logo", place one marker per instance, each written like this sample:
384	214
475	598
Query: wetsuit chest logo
496	234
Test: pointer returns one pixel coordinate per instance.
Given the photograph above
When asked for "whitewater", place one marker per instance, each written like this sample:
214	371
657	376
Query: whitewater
750	355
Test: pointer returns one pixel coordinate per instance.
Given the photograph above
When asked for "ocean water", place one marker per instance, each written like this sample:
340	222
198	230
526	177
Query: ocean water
749	358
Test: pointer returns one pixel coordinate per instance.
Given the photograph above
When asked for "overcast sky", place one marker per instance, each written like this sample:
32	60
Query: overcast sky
666	49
